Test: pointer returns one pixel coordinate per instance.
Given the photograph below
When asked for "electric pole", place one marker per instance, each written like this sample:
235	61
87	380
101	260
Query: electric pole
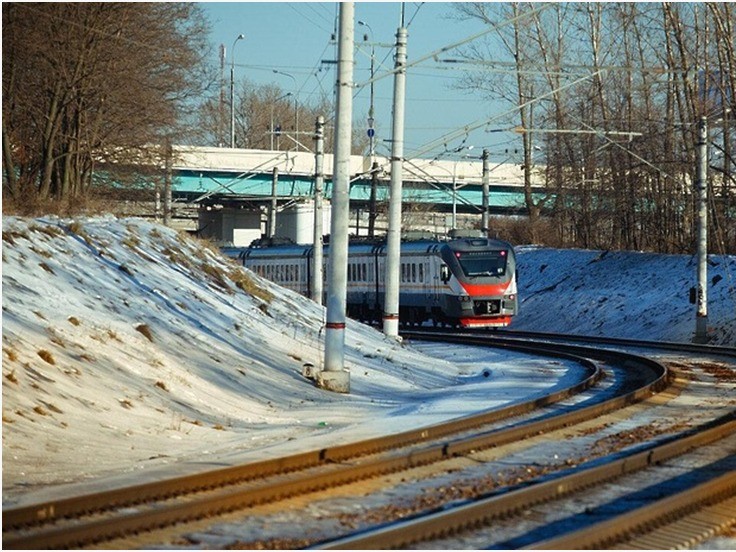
232	90
319	179
274	204
334	377
485	223
393	243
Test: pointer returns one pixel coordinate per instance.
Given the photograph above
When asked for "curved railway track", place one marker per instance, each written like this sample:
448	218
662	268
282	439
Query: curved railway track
101	517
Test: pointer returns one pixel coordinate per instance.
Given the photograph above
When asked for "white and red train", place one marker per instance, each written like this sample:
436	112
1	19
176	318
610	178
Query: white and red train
467	282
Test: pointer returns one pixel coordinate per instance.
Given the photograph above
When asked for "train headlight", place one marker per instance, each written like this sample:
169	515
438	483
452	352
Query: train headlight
464	298
511	297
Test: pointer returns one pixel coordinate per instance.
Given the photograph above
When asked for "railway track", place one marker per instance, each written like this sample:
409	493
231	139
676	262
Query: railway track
102	517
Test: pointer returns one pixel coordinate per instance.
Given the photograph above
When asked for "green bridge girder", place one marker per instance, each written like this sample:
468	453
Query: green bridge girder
217	186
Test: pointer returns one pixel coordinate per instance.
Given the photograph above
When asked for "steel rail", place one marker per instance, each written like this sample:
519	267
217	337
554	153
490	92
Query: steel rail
645	522
439	524
615	341
96	530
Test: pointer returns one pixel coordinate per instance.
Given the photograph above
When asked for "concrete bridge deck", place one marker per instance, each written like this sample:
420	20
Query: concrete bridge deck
207	175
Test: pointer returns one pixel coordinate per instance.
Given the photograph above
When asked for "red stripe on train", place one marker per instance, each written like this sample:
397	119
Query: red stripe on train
485	289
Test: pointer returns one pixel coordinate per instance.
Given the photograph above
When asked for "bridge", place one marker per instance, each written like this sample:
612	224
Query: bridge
447	191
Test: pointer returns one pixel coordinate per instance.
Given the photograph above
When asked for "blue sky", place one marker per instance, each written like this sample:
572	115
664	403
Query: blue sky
294	38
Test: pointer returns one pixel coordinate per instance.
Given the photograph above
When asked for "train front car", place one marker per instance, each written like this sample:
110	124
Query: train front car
481	276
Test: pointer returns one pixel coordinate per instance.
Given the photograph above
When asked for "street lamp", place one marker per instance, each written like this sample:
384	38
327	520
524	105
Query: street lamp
371	136
296	103
370	109
277	100
232	91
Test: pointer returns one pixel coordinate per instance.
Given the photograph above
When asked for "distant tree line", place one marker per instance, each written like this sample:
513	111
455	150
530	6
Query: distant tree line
619	147
87	85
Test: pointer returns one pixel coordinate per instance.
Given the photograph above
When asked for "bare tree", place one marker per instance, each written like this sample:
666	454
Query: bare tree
619	149
93	85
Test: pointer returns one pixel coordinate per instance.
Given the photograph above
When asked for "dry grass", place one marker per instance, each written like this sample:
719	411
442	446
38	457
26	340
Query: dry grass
131	240
217	275
11	354
145	330
46	356
47	268
41	252
48	229
10	236
177	257
247	284
75	227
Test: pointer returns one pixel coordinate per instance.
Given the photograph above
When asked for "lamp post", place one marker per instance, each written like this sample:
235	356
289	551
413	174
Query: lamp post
370	109
296	102
277	100
371	137
232	91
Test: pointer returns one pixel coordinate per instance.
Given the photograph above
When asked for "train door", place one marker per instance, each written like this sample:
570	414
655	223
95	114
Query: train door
435	277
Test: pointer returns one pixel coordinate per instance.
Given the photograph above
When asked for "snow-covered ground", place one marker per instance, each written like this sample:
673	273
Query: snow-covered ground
130	349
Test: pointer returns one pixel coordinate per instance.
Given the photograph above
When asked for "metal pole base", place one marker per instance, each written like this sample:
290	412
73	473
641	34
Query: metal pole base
701	330
337	381
391	326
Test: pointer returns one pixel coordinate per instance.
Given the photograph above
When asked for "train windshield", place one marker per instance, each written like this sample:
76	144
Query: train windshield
482	263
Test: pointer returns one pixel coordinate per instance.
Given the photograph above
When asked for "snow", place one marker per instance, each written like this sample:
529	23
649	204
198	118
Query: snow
129	350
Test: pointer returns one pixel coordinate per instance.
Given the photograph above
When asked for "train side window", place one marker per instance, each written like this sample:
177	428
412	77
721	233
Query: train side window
413	272
421	272
445	273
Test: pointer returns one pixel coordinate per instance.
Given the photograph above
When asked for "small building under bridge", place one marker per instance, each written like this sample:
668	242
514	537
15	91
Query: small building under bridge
227	194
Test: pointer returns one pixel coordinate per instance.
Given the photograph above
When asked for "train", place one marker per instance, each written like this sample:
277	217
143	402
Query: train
468	282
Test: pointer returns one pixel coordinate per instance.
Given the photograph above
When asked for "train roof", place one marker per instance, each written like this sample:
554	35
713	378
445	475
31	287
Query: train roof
371	247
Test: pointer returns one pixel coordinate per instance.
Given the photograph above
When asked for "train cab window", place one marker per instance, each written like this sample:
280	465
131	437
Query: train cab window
445	273
482	263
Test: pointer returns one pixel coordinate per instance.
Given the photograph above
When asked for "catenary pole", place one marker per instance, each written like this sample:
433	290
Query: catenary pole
334	377
393	242
232	90
485	223
274	203
701	185
319	179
